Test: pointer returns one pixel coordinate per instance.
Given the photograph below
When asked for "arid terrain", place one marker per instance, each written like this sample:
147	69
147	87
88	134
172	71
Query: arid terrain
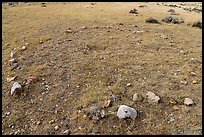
87	54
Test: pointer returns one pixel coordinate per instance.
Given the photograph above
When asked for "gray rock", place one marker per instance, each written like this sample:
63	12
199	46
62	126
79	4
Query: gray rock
167	19
133	11
171	10
137	97
197	24
16	87
95	112
152	97
126	112
188	101
152	20
177	21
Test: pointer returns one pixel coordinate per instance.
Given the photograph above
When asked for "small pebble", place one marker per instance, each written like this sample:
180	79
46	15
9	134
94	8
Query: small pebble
107	103
66	132
51	122
38	123
56	127
172	101
192	73
153	97
175	107
83	27
126	112
8	113
23	48
195	82
188	101
129	84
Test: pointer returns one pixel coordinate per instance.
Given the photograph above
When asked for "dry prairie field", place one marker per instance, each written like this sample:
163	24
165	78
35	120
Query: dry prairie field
76	63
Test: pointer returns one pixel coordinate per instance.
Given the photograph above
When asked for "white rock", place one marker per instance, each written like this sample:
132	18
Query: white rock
137	97
56	127
24	48
129	84
188	101
152	97
126	112
12	54
15	87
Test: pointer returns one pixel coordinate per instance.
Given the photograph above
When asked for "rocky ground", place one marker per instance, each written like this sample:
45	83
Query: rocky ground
77	63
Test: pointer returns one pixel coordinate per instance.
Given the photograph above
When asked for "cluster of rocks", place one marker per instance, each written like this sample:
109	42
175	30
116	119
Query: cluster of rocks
170	19
133	11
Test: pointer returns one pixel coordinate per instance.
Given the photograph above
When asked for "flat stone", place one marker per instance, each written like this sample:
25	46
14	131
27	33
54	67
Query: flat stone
126	112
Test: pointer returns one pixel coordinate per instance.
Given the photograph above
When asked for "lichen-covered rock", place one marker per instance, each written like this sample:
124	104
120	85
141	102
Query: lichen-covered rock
152	97
15	88
126	112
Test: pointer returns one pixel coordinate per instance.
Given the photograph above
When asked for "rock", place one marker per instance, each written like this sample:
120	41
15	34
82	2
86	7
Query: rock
8	113
51	121
107	103
129	84
66	132
153	97
11	79
192	73
197	24
126	112
172	102
23	48
176	107
171	10
152	20
188	101
16	88
137	97
83	27
167	19
41	42
142	6
195	82
133	11
56	128
43	5
177	21
38	123
95	112
12	53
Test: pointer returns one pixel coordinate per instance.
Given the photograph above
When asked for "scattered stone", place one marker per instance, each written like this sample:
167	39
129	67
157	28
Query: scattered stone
23	48
107	103
66	132
192	73
43	5
56	128
129	84
171	10
188	101
197	24
153	97
137	97
195	82
12	53
38	123
142	6
126	112
133	11
11	79
167	19
177	21
51	122
95	112
8	113
152	20
172	102
16	88
83	27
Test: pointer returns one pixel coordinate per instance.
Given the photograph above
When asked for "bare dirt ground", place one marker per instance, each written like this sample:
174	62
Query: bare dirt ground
79	67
